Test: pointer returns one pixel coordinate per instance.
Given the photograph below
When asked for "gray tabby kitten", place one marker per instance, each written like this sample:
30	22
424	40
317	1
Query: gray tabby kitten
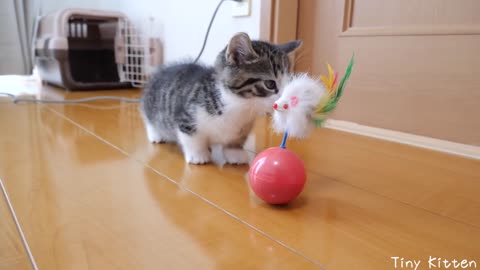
197	106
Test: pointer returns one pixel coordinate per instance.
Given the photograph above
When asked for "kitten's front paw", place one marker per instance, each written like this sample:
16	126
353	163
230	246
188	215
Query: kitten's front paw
153	136
198	159
235	156
160	141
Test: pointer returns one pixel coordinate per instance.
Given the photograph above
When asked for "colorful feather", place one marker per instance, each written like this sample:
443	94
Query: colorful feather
329	102
331	80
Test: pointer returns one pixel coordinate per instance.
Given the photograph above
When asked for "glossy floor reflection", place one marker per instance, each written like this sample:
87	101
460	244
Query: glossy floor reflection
12	252
93	193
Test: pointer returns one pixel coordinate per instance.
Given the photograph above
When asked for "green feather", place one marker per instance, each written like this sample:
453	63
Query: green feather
319	122
320	115
333	102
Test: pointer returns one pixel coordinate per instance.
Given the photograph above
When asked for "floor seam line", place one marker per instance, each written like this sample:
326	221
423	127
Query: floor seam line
247	224
231	215
238	219
402	202
18	226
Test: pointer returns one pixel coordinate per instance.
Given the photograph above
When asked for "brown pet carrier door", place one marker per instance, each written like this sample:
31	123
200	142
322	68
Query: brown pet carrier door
89	49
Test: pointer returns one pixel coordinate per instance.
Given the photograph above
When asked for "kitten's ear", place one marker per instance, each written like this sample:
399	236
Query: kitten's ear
291	46
240	49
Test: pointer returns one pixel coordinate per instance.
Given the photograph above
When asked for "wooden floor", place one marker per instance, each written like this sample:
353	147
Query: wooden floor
90	192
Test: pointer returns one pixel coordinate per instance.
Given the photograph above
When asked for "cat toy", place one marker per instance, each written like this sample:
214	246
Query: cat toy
277	175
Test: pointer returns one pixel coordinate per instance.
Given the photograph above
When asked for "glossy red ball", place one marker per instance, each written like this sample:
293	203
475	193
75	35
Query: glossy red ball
277	175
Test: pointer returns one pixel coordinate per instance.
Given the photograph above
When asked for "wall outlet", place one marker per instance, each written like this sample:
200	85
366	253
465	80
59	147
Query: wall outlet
241	9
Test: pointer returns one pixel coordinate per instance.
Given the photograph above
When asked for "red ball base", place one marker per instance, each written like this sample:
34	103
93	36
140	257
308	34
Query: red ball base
277	175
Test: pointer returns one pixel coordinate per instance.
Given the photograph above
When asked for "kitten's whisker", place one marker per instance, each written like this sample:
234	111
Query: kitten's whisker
301	54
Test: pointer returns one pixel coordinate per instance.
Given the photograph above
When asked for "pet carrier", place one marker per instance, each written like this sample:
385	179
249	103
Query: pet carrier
91	49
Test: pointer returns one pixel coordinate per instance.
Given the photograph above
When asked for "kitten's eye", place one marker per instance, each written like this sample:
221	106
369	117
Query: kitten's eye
270	84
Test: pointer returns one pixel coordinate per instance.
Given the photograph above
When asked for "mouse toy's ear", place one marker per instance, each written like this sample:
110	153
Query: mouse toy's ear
291	46
240	50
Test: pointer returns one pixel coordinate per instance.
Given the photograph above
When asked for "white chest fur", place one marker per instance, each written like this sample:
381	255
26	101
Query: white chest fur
237	115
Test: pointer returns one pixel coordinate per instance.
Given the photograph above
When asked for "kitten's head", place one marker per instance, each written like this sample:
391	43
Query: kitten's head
254	68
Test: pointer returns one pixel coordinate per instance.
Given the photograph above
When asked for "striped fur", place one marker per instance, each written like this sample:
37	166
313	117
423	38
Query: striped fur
199	106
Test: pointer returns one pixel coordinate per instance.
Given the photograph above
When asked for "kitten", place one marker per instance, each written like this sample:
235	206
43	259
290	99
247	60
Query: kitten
198	106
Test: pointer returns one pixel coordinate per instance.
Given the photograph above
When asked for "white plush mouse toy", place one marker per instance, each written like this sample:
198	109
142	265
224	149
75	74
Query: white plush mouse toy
295	107
305	102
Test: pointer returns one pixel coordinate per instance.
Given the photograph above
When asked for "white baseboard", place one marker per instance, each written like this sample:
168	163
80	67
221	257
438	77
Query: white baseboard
464	150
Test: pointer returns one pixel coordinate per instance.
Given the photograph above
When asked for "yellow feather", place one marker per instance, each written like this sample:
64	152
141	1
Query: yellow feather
330	74
321	104
325	81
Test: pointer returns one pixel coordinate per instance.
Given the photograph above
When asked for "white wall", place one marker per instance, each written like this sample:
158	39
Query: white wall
11	60
48	6
180	24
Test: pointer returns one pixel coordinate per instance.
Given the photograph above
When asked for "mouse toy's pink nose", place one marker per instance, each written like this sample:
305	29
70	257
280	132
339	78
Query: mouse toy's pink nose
275	106
285	106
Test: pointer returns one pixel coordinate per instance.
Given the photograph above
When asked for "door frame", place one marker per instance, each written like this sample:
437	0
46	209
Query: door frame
278	20
279	23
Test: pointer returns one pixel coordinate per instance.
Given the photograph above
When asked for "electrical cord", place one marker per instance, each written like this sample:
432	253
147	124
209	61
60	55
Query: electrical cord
208	30
210	26
16	99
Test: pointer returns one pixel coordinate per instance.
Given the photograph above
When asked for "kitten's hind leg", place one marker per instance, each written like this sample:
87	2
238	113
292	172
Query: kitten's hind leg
235	154
195	148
